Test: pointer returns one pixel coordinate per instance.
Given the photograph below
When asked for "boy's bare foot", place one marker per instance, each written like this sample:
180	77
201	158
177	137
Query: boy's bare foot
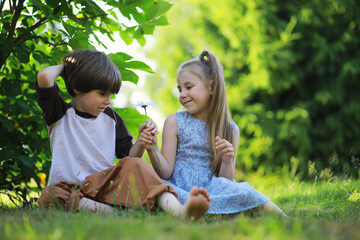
197	204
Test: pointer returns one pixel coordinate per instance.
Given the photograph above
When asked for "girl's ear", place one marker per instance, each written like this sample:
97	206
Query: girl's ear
211	87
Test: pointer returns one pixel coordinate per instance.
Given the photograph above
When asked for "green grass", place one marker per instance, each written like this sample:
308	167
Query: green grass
318	210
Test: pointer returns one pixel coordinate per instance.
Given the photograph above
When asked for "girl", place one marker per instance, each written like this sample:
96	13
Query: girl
199	144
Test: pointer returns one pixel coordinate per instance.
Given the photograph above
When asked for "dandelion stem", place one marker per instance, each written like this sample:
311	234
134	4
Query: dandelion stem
152	144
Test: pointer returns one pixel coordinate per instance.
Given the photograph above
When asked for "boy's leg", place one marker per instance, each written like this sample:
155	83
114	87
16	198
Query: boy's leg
67	196
130	183
63	195
93	206
194	209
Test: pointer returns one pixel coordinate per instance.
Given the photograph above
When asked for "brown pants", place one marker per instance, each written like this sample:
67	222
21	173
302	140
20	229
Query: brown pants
130	183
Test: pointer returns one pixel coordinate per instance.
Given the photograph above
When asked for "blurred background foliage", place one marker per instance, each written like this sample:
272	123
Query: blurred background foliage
292	70
35	34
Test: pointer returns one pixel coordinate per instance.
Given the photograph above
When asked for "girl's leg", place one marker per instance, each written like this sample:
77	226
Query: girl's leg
270	207
196	206
93	206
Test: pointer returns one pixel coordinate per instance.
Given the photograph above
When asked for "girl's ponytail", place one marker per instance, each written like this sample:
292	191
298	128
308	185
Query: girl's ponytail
218	118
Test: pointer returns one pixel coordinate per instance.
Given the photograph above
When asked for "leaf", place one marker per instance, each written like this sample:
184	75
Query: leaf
26	160
12	88
138	17
148	29
22	54
126	37
70	29
139	66
53	3
138	35
153	11
128	75
119	57
37	3
80	41
132	119
160	21
5	122
112	13
126	13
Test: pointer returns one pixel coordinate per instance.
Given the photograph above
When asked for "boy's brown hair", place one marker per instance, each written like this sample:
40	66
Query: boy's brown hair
87	70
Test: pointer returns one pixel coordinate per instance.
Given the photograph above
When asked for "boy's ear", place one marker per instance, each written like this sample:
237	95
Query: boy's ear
211	87
76	91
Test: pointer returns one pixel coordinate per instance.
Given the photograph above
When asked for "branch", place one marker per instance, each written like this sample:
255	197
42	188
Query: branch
11	6
21	81
2	5
44	40
15	18
2	59
50	43
21	39
94	17
34	26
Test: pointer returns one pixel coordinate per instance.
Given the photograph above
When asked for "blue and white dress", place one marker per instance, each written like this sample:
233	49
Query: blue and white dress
193	168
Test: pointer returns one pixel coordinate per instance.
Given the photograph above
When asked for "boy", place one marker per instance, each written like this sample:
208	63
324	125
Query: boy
86	135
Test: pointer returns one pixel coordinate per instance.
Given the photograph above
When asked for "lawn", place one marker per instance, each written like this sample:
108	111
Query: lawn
318	210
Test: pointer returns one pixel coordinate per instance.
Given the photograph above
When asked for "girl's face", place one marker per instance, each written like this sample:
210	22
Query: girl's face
93	102
195	95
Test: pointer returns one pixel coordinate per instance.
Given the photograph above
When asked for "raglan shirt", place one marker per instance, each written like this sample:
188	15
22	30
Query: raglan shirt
81	144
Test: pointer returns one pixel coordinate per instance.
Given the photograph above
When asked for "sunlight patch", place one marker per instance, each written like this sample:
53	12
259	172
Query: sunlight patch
354	197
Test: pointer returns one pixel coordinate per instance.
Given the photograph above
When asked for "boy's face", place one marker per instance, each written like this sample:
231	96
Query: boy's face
93	102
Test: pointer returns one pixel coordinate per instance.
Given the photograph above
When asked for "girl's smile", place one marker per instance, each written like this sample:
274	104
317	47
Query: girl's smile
186	102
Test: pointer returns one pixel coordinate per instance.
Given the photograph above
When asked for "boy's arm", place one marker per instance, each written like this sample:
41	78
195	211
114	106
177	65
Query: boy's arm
47	76
51	103
136	150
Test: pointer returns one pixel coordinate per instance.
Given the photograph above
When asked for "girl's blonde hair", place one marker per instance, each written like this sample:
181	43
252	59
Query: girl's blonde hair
208	68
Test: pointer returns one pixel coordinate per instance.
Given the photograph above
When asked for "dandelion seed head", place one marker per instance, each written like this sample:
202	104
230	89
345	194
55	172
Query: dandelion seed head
144	104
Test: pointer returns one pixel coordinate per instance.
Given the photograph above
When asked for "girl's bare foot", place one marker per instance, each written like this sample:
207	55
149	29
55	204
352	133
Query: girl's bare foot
197	204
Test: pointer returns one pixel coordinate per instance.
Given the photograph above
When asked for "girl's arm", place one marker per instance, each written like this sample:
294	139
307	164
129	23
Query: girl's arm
47	76
228	153
167	155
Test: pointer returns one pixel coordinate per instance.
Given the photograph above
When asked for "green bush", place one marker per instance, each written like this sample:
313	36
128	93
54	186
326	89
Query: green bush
292	71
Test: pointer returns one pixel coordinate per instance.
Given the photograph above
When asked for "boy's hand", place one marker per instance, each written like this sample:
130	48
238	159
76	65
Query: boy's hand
146	140
225	149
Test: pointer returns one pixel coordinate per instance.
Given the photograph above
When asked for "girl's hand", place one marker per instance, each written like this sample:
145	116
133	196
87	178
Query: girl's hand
150	127
225	149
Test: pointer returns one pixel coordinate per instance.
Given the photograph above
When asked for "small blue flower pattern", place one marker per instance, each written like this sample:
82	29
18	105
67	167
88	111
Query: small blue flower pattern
193	168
